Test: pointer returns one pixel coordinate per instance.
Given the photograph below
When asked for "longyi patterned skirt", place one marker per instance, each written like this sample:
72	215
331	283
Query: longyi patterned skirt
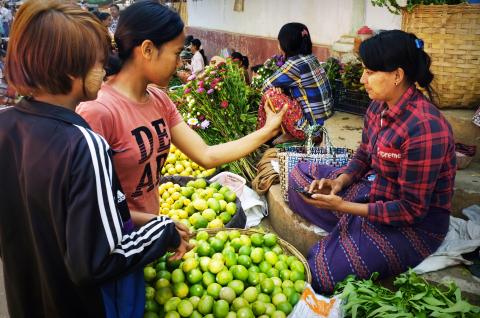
355	245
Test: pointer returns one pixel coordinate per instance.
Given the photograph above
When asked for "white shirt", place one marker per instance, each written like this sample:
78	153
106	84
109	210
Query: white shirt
197	65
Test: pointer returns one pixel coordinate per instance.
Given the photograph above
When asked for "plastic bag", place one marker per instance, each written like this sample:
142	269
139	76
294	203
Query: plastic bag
314	305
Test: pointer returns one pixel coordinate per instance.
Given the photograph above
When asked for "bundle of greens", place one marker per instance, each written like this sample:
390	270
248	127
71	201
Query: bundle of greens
414	298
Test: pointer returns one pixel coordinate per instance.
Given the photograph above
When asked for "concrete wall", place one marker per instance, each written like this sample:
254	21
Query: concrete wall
254	31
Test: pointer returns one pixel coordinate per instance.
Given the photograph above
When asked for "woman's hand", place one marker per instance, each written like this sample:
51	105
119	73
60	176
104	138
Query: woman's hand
273	121
326	186
324	201
184	246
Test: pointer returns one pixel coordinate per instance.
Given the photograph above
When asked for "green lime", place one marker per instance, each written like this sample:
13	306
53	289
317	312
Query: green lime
185	308
238	287
288	284
213	204
264	266
253	278
163	295
230	208
258	308
286	307
294	298
270	239
189	264
151	305
218	197
254	268
264	298
257	239
200	183
222	235
161	266
216	244
267	286
214	290
194	300
277	250
271	258
250	294
277	281
273	272
238	303
297	266
204	261
224	277
228	249
279	298
171	304
178	276
278	314
162	282
270	309
294	276
236	243
149	292
257	255
281	265
240	272
244	260
230	196
204	249
230	259
215	185
208	279
288	291
201	223
164	274
215	266
285	274
227	294
299	286
196	290
149	314
220	308
149	273
245	312
225	217
194	276
245	250
205	305
196	314
180	290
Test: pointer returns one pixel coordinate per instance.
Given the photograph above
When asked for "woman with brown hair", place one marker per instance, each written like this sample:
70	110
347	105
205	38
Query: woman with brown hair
66	238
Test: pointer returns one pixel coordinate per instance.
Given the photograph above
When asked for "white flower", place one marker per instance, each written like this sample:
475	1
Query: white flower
192	121
205	124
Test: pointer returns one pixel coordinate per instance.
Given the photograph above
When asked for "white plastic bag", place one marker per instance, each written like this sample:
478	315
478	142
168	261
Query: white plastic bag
316	306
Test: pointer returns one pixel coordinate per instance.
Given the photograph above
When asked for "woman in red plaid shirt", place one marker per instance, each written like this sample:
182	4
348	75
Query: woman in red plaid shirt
390	207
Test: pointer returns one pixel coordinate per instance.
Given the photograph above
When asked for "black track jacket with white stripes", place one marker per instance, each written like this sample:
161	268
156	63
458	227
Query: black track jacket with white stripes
60	223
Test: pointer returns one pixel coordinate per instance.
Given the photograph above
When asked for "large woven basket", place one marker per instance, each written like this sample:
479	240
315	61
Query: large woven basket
452	38
288	248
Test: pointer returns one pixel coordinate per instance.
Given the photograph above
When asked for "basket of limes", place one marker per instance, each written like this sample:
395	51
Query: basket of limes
229	273
198	203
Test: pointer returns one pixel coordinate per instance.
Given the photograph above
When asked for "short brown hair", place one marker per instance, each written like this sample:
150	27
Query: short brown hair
50	43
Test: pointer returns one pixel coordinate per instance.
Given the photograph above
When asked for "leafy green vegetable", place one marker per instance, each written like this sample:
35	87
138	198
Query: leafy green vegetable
414	298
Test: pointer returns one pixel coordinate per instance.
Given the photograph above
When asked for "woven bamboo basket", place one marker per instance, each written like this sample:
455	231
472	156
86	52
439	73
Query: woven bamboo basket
288	248
451	34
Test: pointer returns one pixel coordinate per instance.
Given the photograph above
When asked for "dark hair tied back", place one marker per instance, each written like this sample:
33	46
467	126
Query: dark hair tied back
390	50
146	20
294	39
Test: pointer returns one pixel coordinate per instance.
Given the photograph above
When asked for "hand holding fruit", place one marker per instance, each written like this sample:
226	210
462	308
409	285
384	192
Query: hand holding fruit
183	248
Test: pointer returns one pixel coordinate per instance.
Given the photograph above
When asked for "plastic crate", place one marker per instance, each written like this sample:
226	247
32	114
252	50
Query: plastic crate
350	101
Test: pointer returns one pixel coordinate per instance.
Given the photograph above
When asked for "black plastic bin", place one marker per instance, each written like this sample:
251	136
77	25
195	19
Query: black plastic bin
350	101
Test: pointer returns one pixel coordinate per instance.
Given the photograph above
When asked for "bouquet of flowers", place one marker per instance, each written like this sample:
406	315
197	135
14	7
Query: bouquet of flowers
221	107
269	67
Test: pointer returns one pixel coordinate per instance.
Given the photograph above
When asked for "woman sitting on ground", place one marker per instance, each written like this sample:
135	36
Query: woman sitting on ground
302	77
395	221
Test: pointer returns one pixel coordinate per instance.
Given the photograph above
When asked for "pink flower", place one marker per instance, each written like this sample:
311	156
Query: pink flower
224	104
200	90
200	84
201	117
188	90
191	77
210	91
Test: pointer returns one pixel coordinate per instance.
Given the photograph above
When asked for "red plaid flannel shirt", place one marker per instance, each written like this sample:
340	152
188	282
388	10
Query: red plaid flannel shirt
411	149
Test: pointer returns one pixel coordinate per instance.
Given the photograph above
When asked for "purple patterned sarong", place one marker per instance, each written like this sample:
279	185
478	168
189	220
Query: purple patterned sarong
355	245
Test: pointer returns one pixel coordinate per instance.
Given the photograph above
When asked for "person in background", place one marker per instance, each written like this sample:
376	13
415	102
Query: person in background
5	18
199	60
70	248
115	13
401	217
140	122
302	77
255	70
243	60
106	20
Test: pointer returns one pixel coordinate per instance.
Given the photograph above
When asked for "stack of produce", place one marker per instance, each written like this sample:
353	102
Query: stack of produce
197	204
413	298
177	163
226	275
